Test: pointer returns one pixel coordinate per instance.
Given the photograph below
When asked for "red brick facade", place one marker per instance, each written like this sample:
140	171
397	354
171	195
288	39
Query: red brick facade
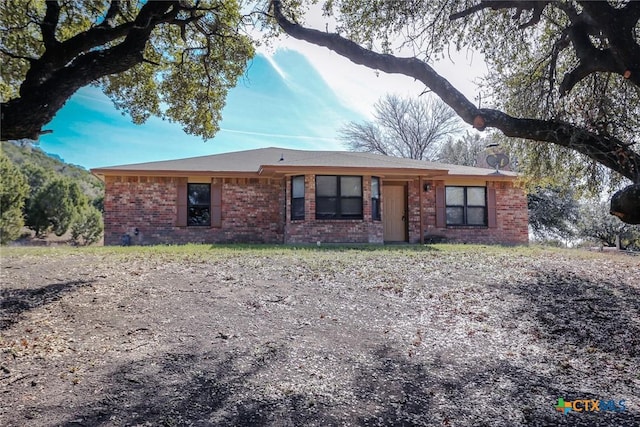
511	216
312	230
257	210
253	211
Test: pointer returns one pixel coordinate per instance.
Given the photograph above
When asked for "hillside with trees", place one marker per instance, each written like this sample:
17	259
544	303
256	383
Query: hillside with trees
26	153
48	196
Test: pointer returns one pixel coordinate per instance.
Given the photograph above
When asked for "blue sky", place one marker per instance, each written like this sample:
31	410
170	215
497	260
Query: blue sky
281	101
294	95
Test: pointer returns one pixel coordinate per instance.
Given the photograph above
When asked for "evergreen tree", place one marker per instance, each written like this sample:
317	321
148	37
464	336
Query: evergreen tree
55	206
553	212
462	151
88	226
13	191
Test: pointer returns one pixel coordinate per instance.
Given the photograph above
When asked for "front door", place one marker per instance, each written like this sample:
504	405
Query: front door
393	213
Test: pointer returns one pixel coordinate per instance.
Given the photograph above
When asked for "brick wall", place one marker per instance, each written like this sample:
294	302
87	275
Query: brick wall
512	220
413	210
312	230
252	212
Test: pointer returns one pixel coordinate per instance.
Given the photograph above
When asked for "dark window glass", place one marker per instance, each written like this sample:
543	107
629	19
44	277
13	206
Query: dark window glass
198	204
326	207
351	186
326	186
455	215
297	197
466	205
351	207
476	215
476	196
338	197
455	196
375	198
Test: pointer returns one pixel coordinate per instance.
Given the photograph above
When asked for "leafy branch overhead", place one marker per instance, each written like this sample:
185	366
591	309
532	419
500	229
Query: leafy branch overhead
173	59
545	61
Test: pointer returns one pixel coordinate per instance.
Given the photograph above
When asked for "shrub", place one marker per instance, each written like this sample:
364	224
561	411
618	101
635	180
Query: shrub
55	206
87	227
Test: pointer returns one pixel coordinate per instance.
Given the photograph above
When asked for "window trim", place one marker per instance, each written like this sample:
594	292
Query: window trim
292	216
339	198
465	206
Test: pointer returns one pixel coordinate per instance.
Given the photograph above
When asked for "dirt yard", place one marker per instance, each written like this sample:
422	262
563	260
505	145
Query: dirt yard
441	336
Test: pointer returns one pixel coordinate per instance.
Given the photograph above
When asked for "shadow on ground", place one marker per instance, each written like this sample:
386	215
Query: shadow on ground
15	302
206	389
231	386
199	389
572	310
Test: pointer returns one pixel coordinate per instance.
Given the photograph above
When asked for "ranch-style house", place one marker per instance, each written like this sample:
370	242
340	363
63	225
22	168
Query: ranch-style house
275	195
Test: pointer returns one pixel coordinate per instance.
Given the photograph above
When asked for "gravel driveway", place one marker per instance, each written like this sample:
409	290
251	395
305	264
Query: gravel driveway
438	336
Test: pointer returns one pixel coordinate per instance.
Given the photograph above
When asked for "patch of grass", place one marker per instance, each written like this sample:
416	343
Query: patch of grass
346	251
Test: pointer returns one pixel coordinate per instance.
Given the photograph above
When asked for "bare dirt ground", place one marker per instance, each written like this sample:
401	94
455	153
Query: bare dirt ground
286	337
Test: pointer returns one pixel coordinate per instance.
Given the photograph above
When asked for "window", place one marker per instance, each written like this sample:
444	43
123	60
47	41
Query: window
466	205
375	198
297	197
198	204
338	197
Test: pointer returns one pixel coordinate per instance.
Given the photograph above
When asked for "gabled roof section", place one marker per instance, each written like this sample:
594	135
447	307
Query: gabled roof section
282	159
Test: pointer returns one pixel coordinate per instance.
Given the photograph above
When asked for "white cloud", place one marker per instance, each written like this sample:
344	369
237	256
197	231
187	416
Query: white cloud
359	87
278	135
276	67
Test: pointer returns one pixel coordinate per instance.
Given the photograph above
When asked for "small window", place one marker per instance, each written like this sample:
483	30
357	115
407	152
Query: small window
466	205
375	198
199	204
338	197
297	197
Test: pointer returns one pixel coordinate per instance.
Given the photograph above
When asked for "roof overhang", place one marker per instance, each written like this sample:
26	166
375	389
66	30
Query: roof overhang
102	173
277	171
488	177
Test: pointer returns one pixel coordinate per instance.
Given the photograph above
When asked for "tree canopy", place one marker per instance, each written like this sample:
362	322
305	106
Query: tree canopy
13	190
560	72
54	206
172	59
594	223
552	212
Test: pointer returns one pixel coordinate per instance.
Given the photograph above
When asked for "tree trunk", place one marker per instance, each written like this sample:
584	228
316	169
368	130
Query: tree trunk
625	204
55	77
26	116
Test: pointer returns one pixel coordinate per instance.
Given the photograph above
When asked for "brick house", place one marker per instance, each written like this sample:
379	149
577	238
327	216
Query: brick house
274	195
